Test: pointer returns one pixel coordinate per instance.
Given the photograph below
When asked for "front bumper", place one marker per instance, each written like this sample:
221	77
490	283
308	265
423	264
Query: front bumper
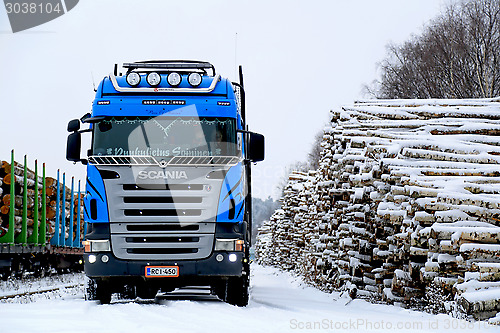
209	267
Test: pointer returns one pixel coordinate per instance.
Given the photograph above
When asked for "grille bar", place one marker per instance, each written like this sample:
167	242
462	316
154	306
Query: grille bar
162	227
162	212
171	239
169	200
162	251
167	187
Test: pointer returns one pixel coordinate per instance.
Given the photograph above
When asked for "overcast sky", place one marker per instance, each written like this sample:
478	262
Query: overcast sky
300	59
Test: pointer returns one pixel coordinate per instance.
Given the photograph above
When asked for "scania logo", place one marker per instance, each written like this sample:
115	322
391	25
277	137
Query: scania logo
162	174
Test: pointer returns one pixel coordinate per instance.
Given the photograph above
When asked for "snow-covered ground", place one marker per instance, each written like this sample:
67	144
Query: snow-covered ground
279	303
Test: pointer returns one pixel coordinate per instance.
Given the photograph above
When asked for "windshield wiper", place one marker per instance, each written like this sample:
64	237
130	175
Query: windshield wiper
145	135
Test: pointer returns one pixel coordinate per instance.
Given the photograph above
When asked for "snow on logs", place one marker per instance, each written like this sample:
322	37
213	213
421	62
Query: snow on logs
404	207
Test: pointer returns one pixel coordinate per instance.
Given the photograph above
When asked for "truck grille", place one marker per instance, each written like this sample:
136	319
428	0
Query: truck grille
170	220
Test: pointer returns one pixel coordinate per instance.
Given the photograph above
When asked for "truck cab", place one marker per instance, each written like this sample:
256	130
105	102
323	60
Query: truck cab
168	189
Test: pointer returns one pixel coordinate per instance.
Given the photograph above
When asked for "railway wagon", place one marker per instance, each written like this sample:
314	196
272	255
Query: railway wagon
41	224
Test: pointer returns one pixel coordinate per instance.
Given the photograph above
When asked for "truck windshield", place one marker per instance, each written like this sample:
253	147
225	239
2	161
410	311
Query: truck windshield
165	136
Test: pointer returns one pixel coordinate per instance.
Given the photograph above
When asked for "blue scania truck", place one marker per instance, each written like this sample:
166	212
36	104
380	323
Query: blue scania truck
168	189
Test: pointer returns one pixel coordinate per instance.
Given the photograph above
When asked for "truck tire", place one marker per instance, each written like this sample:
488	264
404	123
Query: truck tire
5	273
237	291
128	292
219	290
90	289
97	290
146	291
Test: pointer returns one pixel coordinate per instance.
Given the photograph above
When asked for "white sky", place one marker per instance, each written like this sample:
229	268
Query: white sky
300	60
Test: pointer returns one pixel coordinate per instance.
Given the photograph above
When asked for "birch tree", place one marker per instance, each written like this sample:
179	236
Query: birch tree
456	56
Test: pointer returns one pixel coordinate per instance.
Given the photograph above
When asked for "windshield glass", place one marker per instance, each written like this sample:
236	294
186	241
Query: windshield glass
165	136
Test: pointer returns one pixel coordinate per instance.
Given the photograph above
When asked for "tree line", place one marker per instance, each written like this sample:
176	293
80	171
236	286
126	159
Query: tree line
456	56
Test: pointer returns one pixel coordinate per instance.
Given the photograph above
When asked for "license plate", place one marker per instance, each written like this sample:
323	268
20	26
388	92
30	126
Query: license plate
162	271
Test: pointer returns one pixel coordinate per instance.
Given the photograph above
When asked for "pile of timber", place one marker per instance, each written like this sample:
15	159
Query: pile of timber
293	236
404	208
51	200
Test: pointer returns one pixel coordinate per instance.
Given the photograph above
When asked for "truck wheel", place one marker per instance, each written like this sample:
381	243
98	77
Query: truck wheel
90	290
145	291
128	292
5	274
237	291
97	290
219	290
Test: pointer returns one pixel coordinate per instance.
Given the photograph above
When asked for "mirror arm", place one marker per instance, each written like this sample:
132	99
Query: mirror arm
85	116
84	161
94	120
243	131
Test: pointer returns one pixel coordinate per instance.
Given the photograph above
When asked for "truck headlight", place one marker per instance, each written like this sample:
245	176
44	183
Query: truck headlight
228	244
97	245
92	258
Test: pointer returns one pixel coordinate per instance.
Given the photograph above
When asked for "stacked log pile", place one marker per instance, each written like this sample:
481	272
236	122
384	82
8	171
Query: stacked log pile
404	208
51	199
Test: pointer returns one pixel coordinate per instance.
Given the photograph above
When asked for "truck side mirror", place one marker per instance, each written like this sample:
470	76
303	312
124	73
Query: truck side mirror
73	147
256	147
74	125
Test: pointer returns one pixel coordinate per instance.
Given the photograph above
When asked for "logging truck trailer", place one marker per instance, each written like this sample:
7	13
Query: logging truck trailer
168	192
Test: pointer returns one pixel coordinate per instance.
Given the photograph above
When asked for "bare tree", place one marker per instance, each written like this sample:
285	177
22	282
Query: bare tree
312	163
296	166
315	154
456	56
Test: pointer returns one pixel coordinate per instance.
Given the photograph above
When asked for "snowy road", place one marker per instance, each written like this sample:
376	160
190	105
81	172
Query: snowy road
279	303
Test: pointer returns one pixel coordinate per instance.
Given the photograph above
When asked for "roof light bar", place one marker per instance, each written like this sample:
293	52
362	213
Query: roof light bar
159	89
167	64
